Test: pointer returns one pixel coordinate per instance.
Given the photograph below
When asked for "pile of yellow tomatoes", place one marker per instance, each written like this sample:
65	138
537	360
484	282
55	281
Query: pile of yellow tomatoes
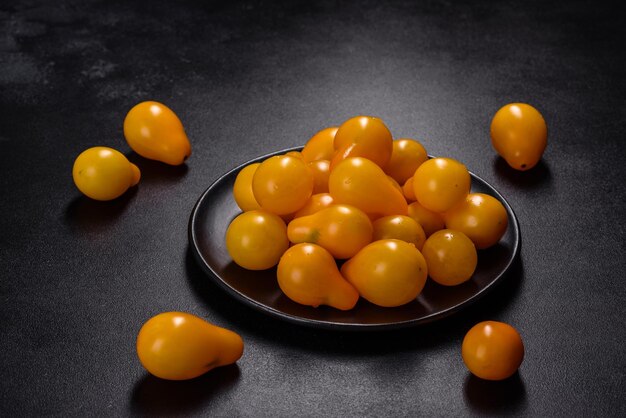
380	208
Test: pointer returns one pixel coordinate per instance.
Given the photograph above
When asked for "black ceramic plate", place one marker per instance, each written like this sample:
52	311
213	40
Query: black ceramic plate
216	208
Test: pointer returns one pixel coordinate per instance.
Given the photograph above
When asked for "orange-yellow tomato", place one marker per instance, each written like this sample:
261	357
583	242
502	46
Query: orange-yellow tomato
256	239
315	203
320	146
180	346
407	155
492	350
451	257
321	171
395	184
282	184
481	217
387	273
308	275
407	190
441	183
519	135
361	183
431	222
242	189
103	173
341	229
153	131
363	136
399	227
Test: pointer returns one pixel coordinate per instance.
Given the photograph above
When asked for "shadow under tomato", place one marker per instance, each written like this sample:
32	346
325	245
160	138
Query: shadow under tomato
157	172
495	397
90	215
536	178
154	396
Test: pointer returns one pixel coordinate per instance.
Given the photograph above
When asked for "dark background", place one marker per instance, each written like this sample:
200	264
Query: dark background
79	278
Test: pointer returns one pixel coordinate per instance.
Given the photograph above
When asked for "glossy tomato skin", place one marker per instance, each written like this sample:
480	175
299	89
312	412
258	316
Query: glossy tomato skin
492	350
406	156
340	229
431	222
181	346
361	183
315	203
481	217
154	131
387	272
451	257
399	227
363	136
441	183
320	146
519	135
256	239
242	190
308	275
282	184
103	173
321	172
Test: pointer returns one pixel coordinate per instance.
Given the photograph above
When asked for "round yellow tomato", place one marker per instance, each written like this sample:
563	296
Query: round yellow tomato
153	131
180	346
481	217
363	136
492	350
399	227
407	155
519	135
387	273
256	239
282	184
451	257
308	275
103	173
441	183
242	190
320	146
431	222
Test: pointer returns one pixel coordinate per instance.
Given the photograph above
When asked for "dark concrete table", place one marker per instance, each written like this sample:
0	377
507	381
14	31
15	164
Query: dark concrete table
78	278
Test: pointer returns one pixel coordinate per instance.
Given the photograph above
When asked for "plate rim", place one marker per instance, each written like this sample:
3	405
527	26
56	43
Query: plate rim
268	310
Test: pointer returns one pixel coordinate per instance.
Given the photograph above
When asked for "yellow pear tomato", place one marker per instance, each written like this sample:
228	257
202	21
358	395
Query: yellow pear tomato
103	173
154	131
341	229
387	273
361	183
321	171
519	135
180	346
363	136
308	275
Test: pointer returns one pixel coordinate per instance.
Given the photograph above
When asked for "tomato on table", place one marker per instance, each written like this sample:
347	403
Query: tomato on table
492	350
